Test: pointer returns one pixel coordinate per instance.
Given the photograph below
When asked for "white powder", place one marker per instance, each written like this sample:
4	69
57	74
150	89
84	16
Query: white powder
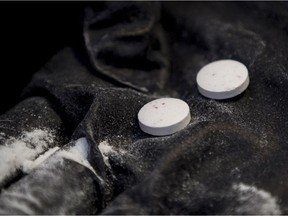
256	201
29	165
221	107
2	136
45	165
107	150
82	146
79	154
26	147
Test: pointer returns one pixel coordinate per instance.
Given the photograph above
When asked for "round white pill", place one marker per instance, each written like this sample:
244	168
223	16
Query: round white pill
164	116
222	79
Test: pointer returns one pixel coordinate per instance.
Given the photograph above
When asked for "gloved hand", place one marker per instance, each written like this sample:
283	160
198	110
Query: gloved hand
230	159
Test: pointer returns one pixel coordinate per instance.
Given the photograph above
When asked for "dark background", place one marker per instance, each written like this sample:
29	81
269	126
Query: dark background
31	33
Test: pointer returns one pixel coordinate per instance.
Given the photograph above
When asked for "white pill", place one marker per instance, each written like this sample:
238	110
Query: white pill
222	79
164	116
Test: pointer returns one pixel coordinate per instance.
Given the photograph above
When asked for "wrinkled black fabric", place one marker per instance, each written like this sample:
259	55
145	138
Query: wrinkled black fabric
132	53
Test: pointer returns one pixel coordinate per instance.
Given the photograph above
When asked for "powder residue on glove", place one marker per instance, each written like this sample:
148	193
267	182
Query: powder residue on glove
27	146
